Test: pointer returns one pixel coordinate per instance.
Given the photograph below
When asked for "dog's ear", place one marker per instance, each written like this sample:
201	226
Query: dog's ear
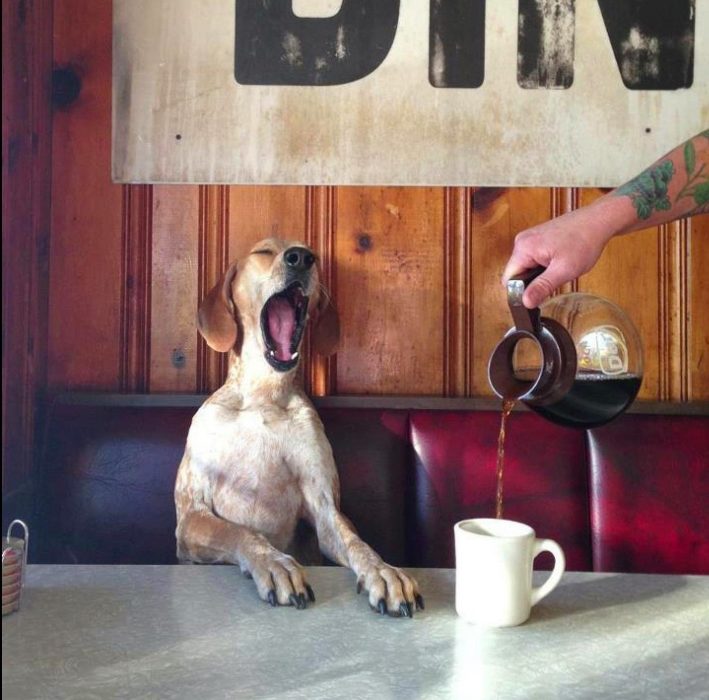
216	318
325	334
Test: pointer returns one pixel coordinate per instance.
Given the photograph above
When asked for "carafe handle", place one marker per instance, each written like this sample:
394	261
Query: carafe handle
525	319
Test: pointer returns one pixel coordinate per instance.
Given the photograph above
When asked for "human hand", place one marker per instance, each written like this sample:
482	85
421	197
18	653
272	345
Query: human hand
566	246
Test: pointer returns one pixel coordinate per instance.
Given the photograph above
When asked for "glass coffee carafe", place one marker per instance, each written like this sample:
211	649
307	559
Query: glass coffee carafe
577	360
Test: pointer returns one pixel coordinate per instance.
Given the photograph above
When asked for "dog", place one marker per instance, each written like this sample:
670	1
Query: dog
257	461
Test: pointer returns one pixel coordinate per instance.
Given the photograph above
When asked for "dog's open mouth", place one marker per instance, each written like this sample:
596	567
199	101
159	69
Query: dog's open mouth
282	324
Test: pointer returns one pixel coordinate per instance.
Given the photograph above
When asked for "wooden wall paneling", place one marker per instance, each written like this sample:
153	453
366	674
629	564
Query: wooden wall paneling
137	248
630	273
697	312
390	290
26	178
86	242
563	200
673	331
213	260
458	313
498	215
175	288
320	373
258	212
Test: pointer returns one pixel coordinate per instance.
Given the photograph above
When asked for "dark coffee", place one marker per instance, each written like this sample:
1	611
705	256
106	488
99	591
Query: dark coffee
593	400
507	406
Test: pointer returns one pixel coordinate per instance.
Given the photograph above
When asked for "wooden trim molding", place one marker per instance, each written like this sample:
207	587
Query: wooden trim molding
368	402
212	263
672	322
320	373
458	335
137	245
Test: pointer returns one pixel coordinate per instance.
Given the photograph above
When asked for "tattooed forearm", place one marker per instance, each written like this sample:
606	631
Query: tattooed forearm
678	184
649	189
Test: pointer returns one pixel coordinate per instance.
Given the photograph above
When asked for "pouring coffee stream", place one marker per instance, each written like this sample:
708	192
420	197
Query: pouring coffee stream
507	406
576	361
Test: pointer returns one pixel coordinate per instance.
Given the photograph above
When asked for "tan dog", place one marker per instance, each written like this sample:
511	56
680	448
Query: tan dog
257	459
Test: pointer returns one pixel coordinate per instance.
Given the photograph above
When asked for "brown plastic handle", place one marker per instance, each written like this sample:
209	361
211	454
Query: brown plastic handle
525	319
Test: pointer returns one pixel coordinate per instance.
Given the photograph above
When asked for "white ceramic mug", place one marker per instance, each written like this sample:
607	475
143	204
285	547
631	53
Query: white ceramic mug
493	571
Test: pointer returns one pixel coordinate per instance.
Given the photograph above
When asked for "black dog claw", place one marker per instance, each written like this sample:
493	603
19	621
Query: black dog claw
382	607
359	586
294	600
301	601
272	598
311	595
405	610
419	602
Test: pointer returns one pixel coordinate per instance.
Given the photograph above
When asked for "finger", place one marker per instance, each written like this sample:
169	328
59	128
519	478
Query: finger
543	287
516	267
520	261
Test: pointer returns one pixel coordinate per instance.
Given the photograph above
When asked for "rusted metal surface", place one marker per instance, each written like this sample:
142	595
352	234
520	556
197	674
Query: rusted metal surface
179	114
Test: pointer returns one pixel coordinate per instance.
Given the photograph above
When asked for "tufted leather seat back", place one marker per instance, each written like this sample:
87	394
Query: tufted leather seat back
630	496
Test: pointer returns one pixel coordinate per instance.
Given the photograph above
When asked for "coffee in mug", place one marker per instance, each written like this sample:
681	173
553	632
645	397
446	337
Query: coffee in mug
493	571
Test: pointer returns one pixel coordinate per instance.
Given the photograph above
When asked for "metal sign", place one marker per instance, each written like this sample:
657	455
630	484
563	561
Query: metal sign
412	92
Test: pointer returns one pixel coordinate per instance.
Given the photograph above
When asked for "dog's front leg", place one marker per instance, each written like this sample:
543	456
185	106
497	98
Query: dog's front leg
390	589
205	538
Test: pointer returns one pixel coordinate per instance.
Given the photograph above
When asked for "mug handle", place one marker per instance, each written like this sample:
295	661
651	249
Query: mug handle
559	566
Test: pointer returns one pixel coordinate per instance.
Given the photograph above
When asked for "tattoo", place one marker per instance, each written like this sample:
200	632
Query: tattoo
648	191
697	185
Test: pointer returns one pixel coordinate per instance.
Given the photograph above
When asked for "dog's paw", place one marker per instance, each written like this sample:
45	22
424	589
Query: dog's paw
280	580
391	591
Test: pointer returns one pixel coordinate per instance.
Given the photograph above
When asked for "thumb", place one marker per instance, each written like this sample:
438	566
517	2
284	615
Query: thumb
542	287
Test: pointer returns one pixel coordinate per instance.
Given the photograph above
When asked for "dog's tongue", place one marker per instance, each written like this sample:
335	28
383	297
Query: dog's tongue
281	324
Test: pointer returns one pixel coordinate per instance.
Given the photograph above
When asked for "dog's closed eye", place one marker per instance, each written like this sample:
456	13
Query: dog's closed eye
264	251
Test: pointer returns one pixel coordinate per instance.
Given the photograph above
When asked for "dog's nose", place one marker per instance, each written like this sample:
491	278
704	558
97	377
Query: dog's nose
299	258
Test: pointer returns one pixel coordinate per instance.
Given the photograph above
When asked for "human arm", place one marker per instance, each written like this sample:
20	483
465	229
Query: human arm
675	186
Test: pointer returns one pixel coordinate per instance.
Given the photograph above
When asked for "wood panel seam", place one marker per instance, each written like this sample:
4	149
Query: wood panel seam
136	245
213	259
320	373
458	336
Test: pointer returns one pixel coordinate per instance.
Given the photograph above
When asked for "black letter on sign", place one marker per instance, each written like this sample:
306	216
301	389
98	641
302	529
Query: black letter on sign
545	44
456	44
653	42
276	47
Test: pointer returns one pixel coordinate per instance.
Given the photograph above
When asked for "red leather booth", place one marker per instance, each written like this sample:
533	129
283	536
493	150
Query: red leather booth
630	496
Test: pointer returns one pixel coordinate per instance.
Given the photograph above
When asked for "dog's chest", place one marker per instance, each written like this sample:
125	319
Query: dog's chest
243	440
244	456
